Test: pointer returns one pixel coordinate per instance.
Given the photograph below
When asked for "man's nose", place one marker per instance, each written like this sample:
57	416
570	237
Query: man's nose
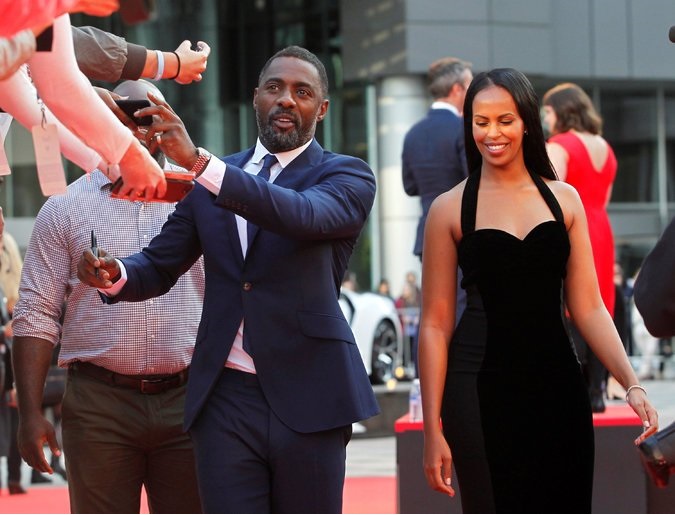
286	98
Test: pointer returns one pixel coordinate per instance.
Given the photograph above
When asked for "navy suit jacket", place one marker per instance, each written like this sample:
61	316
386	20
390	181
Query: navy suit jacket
654	291
286	288
434	161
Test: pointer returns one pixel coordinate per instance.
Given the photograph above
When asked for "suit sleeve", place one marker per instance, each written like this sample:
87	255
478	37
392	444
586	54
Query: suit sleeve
156	269
336	206
409	183
655	286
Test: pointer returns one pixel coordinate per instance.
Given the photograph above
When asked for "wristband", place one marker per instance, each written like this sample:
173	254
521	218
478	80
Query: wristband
178	70
635	386
160	65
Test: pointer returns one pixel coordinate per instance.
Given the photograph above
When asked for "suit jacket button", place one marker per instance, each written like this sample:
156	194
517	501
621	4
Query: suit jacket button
247	286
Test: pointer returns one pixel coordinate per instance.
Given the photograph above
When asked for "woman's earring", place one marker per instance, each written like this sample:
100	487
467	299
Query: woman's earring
525	132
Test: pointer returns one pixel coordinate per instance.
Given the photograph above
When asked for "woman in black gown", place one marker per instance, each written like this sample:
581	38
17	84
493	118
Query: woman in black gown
508	387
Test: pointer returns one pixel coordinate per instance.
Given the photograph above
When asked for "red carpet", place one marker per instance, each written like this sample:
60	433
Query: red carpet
362	495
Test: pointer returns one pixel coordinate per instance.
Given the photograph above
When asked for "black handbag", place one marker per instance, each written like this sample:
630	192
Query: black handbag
55	386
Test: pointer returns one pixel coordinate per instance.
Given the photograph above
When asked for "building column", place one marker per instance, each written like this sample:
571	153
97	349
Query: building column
401	101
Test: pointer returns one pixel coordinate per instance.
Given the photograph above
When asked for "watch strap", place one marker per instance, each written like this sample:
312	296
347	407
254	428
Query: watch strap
203	158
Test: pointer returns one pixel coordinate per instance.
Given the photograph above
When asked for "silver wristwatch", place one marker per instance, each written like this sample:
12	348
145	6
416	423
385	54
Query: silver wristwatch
203	158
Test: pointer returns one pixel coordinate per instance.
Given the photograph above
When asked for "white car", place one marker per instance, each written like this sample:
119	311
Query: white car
377	329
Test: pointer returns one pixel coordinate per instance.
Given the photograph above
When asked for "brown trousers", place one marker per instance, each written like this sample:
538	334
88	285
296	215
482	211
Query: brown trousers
117	440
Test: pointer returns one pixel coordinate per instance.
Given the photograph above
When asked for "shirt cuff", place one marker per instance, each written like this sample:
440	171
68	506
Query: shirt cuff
116	287
212	176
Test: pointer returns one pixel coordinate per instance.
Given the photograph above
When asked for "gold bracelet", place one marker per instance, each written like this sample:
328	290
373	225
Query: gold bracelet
638	386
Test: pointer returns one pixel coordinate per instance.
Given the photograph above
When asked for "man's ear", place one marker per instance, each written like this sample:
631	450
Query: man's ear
323	109
255	98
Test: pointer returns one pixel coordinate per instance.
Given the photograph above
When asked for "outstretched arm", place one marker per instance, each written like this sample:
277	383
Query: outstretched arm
108	57
72	99
17	97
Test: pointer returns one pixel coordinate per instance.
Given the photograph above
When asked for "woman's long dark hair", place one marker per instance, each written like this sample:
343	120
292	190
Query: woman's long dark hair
527	103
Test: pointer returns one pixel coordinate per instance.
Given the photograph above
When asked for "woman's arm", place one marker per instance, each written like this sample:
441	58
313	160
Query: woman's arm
19	98
439	285
588	312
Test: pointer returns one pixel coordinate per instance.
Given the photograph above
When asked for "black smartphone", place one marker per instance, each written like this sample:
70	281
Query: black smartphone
178	184
131	106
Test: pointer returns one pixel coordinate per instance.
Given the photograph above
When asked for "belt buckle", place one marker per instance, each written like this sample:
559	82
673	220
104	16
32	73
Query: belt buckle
147	385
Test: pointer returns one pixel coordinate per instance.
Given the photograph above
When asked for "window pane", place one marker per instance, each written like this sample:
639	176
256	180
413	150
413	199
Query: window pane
629	124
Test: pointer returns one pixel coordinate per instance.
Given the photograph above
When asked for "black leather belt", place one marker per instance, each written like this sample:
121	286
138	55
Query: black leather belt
151	384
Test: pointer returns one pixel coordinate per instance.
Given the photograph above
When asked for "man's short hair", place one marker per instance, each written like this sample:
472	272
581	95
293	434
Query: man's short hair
305	55
444	73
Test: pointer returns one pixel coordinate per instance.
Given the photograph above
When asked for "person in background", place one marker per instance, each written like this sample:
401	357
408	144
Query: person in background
408	305
522	241
645	344
383	288
276	378
623	324
583	158
128	364
433	158
10	266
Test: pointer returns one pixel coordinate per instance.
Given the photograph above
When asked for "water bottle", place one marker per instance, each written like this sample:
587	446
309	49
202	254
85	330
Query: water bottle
415	402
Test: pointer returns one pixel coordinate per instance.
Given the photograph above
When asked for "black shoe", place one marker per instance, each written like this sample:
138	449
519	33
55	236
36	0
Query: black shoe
37	478
597	402
16	488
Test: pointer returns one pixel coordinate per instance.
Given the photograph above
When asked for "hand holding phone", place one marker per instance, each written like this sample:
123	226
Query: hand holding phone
178	185
129	107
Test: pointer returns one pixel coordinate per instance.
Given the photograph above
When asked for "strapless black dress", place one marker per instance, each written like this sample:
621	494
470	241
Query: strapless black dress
515	409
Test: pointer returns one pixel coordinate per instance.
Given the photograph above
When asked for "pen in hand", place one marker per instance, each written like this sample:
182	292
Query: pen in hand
94	250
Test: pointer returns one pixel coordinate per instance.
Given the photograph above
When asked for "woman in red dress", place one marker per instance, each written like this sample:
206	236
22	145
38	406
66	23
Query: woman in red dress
584	159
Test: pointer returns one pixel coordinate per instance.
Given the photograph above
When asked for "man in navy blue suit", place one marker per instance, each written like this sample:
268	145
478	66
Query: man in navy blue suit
433	150
276	379
433	157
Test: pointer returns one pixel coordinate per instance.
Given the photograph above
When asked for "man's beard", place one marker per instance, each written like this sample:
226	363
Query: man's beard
276	141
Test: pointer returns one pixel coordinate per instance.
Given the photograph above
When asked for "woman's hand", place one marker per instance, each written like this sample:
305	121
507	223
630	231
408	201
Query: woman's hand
637	399
438	464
